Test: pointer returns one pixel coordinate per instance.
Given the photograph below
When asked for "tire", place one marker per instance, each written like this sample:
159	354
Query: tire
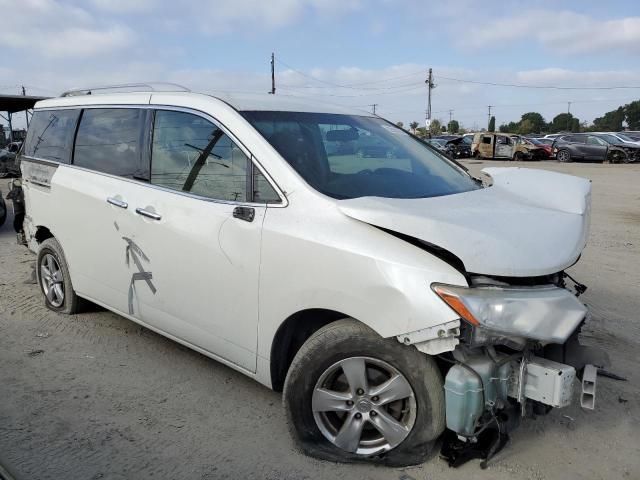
3	211
348	342
53	277
563	156
517	157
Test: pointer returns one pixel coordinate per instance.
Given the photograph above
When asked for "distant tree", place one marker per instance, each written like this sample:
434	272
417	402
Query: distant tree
610	121
562	122
492	124
538	123
400	124
421	132
413	126
443	129
511	127
632	115
453	126
436	127
526	127
575	125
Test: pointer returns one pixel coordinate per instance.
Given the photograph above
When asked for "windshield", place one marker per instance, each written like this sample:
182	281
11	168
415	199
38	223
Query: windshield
625	137
348	156
609	138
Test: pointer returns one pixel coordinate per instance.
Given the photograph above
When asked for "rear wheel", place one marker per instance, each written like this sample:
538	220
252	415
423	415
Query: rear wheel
518	157
54	279
563	156
351	395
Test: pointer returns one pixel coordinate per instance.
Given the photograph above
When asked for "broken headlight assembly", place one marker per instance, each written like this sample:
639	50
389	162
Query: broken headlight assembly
548	314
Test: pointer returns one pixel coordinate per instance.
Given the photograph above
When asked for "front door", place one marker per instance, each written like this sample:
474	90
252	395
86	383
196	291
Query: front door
194	248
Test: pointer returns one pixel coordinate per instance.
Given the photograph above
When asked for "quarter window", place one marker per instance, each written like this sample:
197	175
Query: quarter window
50	135
110	140
191	154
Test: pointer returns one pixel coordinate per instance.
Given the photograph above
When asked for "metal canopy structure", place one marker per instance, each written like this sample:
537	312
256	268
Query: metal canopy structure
17	103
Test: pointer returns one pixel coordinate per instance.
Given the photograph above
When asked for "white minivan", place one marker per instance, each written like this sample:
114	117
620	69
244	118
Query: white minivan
324	252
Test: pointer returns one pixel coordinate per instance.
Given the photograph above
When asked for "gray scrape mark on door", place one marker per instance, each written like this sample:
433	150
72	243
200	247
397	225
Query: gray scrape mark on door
135	253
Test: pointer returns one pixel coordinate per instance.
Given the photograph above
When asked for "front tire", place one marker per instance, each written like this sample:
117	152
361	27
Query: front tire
54	279
351	395
564	156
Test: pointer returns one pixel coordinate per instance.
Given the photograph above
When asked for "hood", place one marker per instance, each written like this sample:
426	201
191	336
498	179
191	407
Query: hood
527	223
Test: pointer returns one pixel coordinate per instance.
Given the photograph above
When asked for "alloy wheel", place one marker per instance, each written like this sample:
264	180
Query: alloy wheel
52	280
364	405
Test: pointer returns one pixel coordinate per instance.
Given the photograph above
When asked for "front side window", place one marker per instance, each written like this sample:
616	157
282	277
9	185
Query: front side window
191	154
349	156
109	140
50	134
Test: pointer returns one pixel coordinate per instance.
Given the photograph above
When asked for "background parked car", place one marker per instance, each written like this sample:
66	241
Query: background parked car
596	147
459	147
438	143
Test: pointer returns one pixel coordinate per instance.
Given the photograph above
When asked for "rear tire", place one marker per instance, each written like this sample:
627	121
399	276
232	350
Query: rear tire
564	156
322	358
54	279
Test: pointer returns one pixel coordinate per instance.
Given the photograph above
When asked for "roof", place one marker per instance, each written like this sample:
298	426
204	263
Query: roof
242	102
17	103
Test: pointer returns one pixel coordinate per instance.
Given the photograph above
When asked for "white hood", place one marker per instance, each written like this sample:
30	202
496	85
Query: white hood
528	223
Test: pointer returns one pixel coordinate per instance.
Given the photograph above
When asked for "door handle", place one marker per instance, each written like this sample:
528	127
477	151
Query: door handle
148	214
244	213
117	203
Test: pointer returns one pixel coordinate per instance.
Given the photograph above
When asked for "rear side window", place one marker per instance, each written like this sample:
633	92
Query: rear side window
50	134
110	140
191	154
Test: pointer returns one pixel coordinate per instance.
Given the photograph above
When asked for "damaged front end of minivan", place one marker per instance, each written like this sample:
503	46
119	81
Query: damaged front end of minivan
513	351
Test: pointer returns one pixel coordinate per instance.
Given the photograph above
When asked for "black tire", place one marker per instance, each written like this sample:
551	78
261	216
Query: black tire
70	302
3	210
518	157
564	156
349	338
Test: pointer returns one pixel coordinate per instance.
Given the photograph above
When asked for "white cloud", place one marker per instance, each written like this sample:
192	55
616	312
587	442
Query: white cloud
50	28
558	31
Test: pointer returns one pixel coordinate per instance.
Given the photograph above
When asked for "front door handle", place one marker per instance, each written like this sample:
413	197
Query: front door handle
116	202
244	213
148	214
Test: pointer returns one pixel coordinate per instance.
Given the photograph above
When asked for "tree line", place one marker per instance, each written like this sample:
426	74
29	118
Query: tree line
534	122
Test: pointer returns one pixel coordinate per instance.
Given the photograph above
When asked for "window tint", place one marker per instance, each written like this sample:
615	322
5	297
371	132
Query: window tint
50	134
595	141
193	155
486	139
109	140
575	139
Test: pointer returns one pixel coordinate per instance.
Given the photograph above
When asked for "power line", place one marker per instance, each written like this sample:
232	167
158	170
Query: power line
515	85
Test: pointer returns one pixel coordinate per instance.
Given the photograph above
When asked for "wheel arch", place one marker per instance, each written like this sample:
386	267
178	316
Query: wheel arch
291	335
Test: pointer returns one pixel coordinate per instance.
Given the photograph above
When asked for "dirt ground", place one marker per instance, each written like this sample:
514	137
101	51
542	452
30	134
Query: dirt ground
94	396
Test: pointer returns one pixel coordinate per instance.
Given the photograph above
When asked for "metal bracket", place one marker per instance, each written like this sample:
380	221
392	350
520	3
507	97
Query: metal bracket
588	397
434	340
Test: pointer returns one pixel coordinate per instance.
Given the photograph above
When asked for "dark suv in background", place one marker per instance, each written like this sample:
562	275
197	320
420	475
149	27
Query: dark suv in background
596	147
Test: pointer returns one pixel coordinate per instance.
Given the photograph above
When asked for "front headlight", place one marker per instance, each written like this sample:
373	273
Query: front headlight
548	314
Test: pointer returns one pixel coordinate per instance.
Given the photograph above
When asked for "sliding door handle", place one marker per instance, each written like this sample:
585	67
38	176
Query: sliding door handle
244	213
148	214
117	203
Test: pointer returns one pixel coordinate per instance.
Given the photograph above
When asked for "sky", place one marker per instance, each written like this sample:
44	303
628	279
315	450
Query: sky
347	52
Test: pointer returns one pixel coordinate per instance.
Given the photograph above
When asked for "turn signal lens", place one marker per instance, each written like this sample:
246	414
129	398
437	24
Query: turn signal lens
456	304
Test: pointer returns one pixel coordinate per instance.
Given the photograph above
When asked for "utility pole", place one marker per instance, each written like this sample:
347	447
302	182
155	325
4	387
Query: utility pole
450	115
26	113
273	74
374	105
489	121
430	85
568	116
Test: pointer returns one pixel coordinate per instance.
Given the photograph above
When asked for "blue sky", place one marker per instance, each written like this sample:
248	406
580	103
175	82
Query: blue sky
352	52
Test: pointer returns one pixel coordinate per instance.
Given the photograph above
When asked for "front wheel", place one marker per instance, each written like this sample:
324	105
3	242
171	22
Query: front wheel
563	156
351	395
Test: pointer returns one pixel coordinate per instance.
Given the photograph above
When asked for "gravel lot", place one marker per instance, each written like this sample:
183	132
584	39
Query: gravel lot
95	396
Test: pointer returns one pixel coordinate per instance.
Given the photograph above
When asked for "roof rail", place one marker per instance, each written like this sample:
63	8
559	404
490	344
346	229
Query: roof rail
128	87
